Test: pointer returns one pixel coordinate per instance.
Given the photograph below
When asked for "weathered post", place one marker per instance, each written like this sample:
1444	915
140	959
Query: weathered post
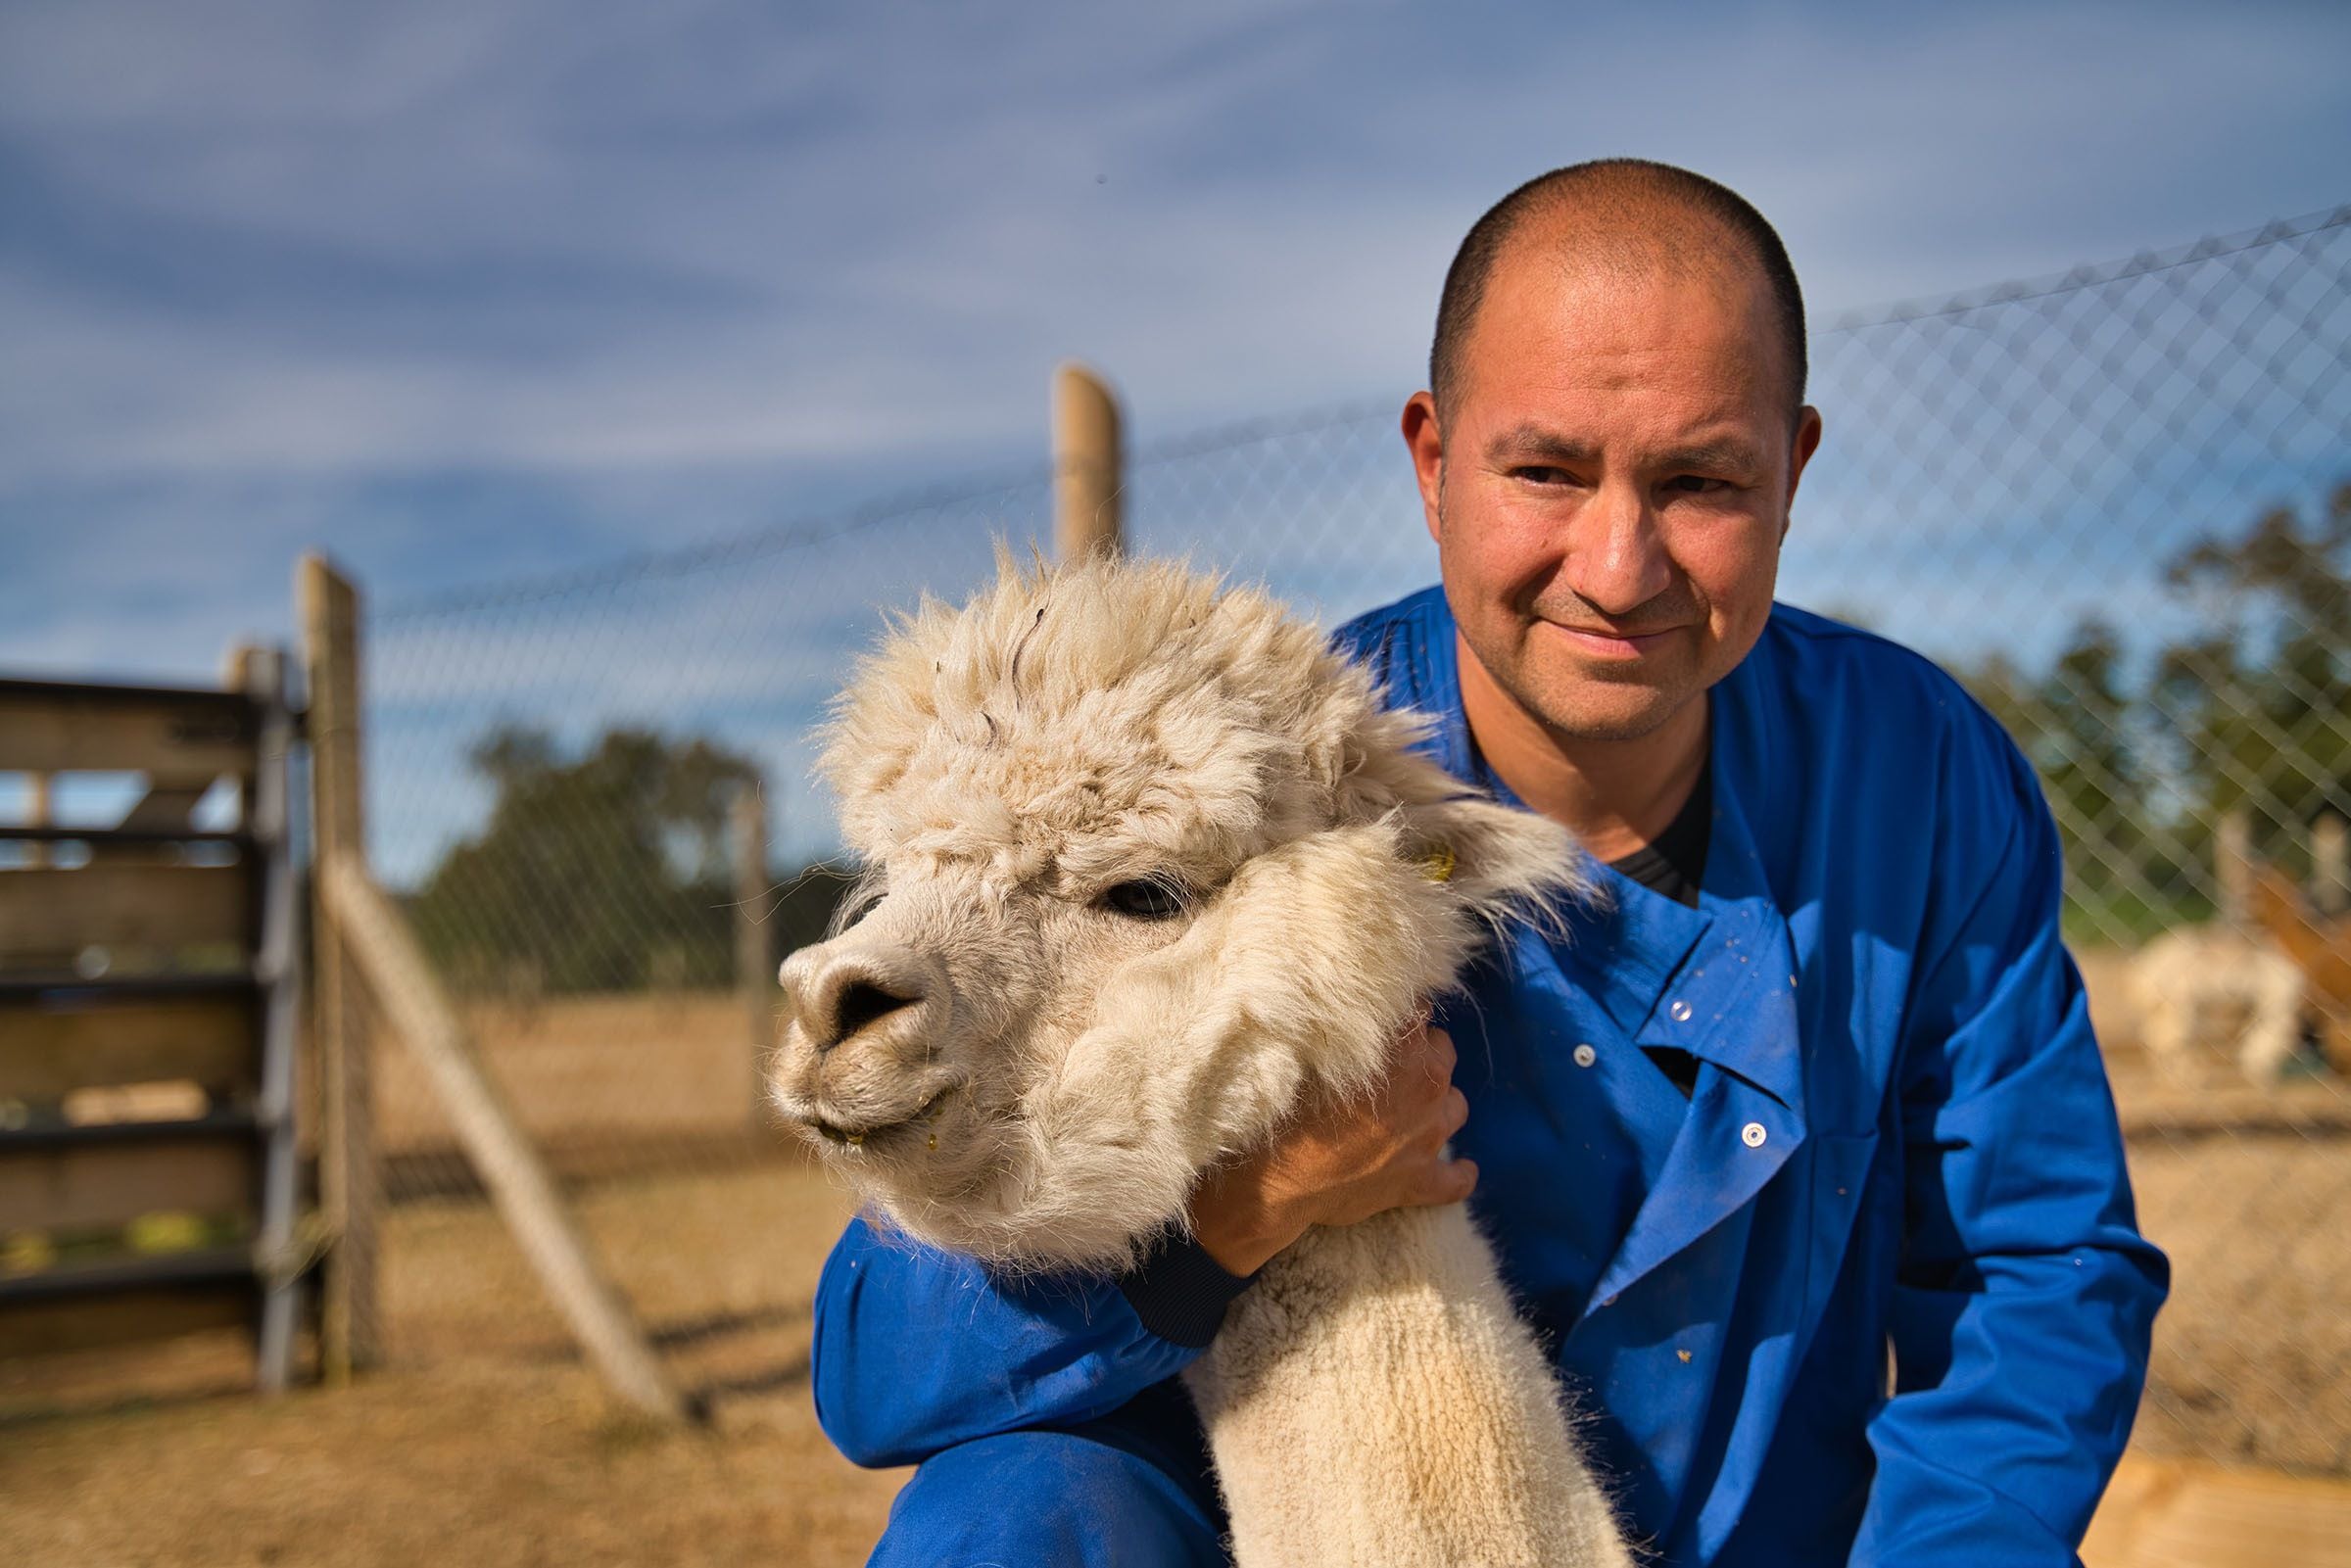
2232	866
36	815
349	1186
1088	477
754	958
267	816
2330	864
382	950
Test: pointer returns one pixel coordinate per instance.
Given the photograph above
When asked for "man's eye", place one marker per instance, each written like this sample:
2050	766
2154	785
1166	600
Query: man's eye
1542	474
1696	485
1144	900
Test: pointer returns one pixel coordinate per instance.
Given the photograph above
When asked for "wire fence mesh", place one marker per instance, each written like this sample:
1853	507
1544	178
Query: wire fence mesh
2117	503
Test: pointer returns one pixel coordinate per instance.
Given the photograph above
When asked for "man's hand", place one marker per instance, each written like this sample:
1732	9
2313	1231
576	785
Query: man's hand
1340	1164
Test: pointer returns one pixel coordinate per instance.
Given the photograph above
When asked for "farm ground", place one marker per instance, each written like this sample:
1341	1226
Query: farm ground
484	1442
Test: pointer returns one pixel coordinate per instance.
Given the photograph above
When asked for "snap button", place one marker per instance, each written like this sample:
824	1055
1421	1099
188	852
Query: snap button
1753	1135
1585	1056
1680	1012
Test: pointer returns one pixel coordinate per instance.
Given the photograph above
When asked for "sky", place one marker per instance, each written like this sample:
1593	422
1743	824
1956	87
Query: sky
469	292
462	291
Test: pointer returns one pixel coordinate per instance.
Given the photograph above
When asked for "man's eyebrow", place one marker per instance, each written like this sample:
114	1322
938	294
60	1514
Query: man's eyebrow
1523	443
1531	443
1714	456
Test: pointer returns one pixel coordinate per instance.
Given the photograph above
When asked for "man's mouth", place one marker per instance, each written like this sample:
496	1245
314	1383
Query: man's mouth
1610	643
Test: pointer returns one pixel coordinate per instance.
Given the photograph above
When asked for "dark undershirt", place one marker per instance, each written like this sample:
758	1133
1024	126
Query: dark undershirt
1675	863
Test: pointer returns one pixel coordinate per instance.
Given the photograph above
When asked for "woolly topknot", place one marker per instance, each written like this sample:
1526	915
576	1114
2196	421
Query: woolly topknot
1203	716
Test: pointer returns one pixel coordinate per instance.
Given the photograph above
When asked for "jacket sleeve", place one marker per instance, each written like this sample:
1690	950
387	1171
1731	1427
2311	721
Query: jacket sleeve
2026	1296
914	1350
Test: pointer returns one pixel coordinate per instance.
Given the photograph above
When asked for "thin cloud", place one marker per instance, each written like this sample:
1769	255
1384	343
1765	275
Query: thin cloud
276	270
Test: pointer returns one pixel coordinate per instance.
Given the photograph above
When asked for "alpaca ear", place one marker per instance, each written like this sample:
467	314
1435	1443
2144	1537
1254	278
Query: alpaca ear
1498	859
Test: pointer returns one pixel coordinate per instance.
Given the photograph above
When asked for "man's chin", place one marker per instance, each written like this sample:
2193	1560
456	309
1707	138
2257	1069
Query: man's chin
1602	709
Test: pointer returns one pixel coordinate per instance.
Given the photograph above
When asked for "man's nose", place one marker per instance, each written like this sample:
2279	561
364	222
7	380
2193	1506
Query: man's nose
1617	557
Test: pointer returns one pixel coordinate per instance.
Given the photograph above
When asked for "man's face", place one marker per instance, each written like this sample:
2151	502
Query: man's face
1609	486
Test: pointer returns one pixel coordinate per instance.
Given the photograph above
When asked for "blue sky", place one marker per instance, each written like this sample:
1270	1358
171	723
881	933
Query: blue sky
466	291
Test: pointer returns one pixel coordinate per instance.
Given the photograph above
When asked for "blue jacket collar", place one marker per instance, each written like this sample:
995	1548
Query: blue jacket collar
1718	981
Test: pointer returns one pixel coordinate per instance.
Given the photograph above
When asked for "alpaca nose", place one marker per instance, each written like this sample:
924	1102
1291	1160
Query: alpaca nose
834	994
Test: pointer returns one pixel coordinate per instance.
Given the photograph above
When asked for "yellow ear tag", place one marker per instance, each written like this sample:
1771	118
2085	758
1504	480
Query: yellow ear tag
1437	865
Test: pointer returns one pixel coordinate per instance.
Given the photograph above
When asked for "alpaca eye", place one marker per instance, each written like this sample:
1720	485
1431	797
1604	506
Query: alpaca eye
1144	900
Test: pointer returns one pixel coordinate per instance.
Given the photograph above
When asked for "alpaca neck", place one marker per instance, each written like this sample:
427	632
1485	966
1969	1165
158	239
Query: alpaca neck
1374	1399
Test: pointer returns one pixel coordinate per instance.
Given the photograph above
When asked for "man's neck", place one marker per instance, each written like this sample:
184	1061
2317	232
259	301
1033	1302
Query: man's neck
1617	795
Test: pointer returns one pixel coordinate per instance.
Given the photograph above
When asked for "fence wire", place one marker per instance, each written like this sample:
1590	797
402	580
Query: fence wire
2116	503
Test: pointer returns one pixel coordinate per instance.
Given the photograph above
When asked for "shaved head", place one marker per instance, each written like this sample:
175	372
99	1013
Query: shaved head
1621	217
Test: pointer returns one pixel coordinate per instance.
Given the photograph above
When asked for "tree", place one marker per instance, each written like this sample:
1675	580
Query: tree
592	873
2251	711
2074	724
2260	702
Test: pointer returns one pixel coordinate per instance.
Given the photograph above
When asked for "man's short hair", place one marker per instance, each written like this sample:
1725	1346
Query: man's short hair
1621	189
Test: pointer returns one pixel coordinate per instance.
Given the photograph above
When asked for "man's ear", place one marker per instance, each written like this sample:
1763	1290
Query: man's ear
1807	441
1424	439
1498	859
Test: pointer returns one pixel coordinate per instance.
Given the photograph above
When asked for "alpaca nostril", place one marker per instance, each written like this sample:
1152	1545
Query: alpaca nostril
861	1003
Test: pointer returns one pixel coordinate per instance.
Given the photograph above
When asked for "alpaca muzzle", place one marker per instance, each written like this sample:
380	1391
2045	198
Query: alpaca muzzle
841	990
858	1056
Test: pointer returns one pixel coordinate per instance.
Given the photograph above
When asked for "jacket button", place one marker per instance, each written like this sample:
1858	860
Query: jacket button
1753	1135
1585	1056
1680	1012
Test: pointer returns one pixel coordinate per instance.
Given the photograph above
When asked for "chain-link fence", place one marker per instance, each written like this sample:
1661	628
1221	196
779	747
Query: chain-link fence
2117	502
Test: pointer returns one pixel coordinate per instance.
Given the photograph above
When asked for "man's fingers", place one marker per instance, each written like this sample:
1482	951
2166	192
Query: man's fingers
1459	1181
1429	1051
1441	1052
1438	1182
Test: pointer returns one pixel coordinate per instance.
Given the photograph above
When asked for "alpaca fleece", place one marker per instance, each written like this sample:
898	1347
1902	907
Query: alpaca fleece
1016	1055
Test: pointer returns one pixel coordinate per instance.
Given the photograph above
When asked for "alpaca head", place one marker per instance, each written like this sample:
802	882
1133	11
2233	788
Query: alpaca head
1150	864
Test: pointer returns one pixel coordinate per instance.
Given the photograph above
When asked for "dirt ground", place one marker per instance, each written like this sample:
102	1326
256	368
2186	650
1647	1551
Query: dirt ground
484	1442
2253	1351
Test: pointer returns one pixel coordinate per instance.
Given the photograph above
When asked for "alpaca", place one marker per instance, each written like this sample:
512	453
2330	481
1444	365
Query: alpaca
2193	981
2195	984
1153	868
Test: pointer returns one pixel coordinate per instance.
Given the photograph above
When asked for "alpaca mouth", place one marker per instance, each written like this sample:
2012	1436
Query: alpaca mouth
841	1137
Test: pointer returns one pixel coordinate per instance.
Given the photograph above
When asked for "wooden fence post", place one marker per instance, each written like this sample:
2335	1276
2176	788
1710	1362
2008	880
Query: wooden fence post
267	814
2330	864
1089	473
381	947
754	956
350	1184
2232	866
36	815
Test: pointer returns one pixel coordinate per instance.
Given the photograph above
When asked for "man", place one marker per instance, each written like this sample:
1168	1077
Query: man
1816	1095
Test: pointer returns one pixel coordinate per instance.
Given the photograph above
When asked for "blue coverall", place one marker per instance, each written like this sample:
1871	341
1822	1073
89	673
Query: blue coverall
1901	1137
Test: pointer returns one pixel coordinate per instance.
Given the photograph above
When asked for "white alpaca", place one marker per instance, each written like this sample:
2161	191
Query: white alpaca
2197	986
1156	870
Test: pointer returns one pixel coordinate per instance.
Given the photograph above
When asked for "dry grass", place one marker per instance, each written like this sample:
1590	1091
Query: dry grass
2253	1353
662	1063
484	1442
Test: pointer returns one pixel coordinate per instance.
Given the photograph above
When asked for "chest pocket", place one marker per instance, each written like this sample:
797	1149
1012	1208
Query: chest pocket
1840	1169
